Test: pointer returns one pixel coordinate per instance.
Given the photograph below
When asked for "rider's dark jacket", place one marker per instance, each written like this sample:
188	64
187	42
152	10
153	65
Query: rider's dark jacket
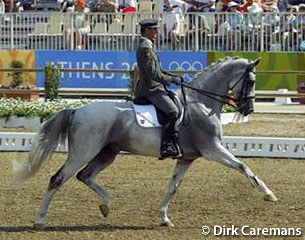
152	78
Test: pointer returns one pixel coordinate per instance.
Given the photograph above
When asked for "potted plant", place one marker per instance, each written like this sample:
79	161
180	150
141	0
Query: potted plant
52	81
18	87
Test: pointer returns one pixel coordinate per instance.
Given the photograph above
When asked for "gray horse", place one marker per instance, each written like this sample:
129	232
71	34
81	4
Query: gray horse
98	132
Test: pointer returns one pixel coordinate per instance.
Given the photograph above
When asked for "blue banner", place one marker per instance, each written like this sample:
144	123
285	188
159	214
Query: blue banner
110	60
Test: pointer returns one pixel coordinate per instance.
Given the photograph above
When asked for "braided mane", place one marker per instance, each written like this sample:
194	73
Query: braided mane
210	69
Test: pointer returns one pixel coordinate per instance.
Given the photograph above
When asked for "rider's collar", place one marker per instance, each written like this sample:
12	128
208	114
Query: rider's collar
149	41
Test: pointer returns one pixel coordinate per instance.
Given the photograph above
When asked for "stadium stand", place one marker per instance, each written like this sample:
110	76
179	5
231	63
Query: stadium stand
272	30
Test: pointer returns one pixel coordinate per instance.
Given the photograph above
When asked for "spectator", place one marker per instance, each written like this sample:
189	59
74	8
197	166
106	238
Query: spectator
9	5
300	24
225	8
106	6
296	2
198	6
127	6
235	20
289	32
282	5
289	17
66	5
251	6
81	25
265	4
272	27
173	17
201	5
27	5
271	18
300	18
254	15
2	8
202	29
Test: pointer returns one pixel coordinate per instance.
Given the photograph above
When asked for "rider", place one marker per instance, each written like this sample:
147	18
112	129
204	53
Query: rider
151	87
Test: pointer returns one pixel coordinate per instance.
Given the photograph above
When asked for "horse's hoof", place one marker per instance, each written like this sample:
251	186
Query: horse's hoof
167	224
270	197
104	210
38	226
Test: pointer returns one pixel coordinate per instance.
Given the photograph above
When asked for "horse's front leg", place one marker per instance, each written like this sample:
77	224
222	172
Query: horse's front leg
221	154
181	168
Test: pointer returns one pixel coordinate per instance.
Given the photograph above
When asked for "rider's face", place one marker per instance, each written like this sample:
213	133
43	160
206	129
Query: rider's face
151	33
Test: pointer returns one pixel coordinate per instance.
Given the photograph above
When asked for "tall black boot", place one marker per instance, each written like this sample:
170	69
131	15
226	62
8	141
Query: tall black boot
175	140
168	146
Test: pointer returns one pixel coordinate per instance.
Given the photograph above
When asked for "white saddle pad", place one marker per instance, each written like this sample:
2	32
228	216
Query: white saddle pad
146	116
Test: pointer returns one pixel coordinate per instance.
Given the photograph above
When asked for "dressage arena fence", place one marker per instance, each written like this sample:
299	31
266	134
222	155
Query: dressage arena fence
291	148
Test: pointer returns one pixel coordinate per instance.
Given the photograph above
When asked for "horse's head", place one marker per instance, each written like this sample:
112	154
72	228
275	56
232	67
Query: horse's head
244	88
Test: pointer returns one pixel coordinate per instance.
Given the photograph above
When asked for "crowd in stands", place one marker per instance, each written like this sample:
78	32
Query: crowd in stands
180	18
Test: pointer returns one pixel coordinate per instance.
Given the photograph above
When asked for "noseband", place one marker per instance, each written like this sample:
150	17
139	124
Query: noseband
247	84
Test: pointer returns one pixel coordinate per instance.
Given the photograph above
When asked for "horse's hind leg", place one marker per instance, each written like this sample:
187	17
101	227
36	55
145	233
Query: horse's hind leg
71	166
86	175
223	156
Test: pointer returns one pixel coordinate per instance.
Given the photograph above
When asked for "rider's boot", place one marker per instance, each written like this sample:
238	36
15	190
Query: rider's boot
170	148
175	140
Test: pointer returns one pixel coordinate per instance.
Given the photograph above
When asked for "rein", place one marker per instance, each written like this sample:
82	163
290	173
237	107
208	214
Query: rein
215	96
208	94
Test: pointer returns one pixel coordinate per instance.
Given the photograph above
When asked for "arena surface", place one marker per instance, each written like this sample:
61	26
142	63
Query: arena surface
210	195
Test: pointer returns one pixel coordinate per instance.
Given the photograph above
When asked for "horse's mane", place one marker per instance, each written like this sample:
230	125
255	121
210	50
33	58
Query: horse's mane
209	71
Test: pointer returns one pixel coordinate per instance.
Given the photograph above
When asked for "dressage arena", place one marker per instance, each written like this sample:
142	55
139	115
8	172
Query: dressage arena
210	195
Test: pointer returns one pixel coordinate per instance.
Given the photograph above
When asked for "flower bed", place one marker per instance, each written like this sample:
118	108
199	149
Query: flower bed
27	108
27	113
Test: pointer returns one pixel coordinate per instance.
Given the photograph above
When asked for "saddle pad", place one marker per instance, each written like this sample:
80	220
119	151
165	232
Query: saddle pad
146	116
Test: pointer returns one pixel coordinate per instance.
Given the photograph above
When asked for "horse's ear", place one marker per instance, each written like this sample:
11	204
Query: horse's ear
255	62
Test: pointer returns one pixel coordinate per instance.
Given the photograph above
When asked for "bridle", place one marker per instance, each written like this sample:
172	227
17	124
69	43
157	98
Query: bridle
247	84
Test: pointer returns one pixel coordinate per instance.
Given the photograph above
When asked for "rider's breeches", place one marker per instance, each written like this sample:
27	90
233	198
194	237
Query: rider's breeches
164	103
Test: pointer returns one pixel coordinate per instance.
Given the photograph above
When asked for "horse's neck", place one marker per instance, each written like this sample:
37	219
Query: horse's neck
213	83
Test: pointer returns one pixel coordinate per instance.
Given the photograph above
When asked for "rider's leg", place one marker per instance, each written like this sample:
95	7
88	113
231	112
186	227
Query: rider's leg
165	104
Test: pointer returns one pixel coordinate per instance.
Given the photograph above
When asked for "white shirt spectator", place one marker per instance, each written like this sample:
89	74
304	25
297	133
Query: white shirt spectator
172	13
235	18
2	7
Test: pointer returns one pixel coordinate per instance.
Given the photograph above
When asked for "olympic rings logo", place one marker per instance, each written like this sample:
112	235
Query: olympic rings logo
188	66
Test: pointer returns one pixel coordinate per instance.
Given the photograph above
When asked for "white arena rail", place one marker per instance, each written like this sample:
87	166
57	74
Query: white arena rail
265	147
239	146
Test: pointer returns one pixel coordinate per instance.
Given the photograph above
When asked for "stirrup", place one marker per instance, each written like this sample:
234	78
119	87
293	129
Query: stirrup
179	155
171	149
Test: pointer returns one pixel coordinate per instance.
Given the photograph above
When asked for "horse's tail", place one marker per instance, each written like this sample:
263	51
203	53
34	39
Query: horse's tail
51	132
